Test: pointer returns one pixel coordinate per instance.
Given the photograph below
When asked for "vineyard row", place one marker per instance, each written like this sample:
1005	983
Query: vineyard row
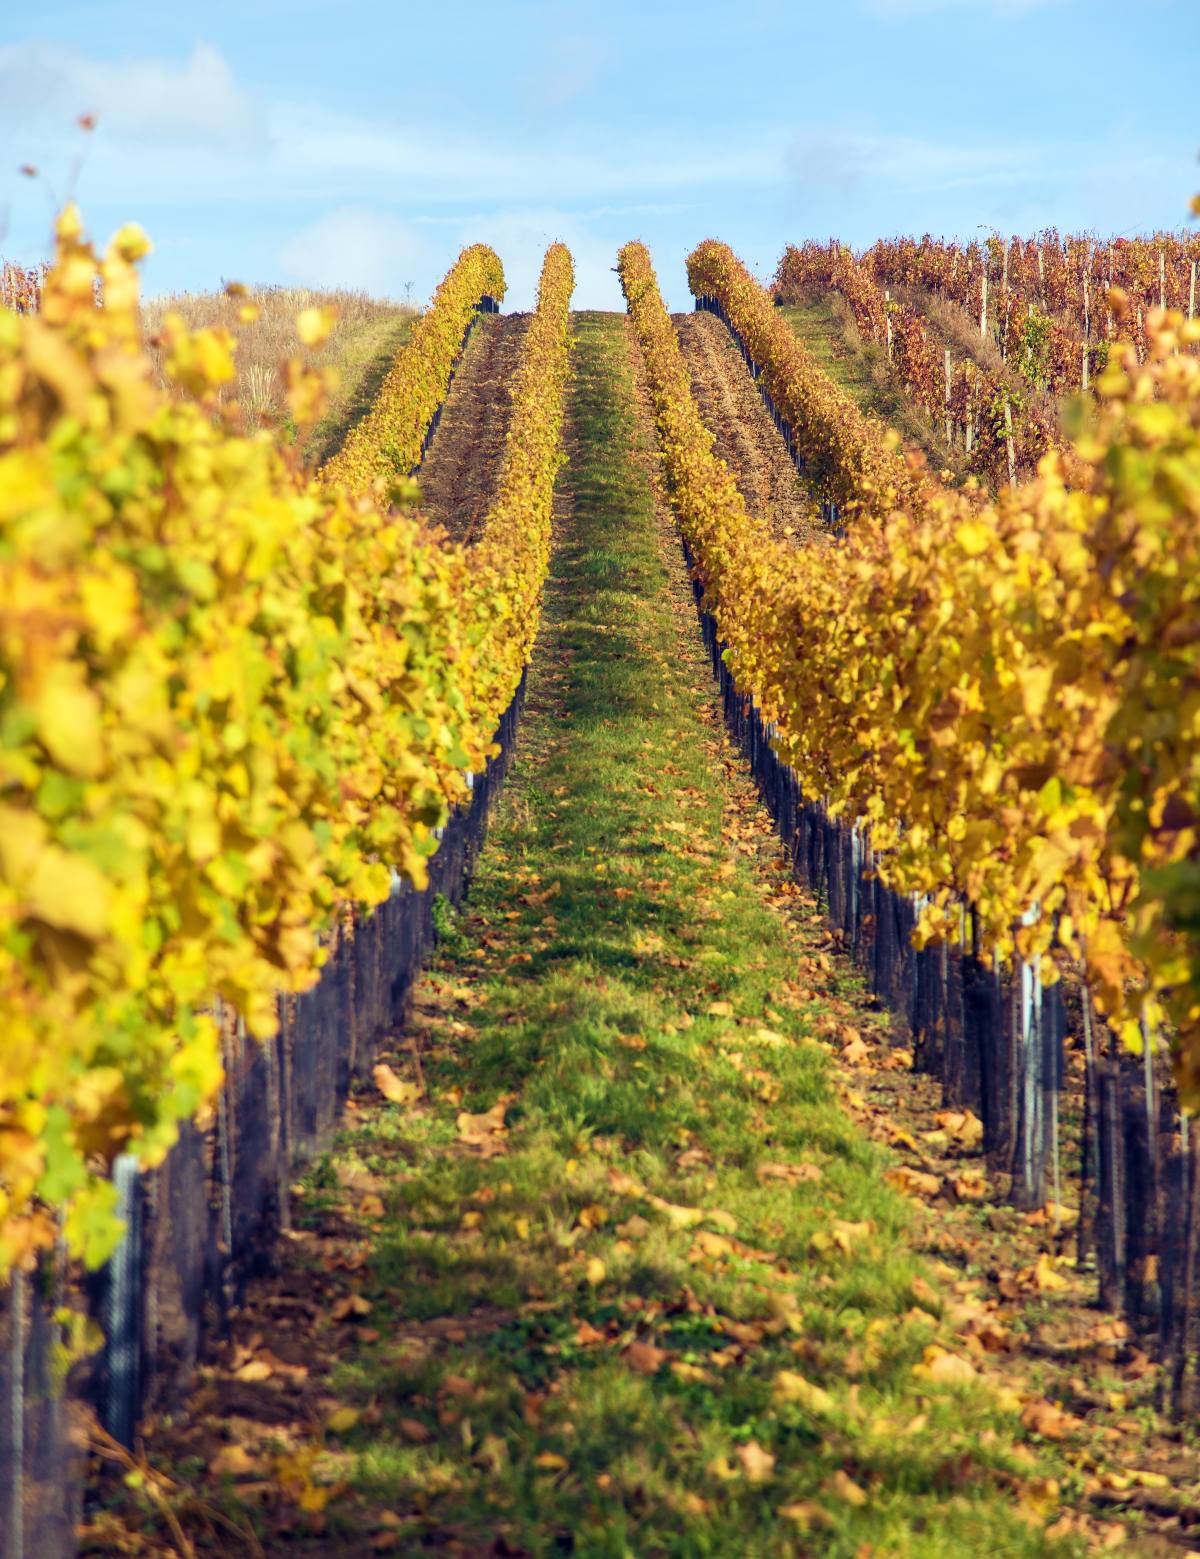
933	708
236	702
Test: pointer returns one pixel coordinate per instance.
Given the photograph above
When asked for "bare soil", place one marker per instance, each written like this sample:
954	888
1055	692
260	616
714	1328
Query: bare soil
746	437
459	474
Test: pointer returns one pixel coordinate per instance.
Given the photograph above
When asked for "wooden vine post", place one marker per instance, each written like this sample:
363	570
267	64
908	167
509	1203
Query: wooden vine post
1008	442
1087	317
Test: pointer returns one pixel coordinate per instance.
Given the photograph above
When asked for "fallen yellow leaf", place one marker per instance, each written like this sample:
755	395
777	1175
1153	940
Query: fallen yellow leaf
713	1246
394	1089
789	1386
944	1368
843	1487
913	1182
234	1461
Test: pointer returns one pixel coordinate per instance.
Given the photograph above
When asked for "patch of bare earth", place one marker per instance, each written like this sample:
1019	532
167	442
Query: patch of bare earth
459	474
746	437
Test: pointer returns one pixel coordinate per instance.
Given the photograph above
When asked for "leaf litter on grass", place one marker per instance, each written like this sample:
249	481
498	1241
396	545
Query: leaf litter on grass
634	1280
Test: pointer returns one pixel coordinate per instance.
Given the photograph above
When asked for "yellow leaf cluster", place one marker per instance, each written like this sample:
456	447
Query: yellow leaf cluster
1005	695
232	699
386	444
847	455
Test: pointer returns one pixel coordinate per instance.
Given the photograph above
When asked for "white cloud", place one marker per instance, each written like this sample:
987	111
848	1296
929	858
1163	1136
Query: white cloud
198	101
832	162
356	248
435	160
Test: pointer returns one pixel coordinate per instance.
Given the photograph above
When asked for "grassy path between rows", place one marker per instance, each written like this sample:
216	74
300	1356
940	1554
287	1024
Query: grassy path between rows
613	1274
860	369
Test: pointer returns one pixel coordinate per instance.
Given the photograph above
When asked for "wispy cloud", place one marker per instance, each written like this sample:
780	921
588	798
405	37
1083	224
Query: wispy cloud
457	164
196	101
832	162
358	248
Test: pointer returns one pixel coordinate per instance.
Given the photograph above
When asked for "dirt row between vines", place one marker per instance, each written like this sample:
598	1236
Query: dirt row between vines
459	474
746	437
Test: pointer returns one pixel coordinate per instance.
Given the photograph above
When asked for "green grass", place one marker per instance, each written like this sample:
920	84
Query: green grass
362	354
613	907
861	370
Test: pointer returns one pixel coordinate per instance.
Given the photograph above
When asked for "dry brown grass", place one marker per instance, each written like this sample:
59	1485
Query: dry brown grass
367	336
952	326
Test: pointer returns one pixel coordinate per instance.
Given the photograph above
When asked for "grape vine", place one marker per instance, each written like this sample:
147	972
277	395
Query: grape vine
231	700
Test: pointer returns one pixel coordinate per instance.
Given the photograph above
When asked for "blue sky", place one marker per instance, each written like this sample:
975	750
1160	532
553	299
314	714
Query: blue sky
363	143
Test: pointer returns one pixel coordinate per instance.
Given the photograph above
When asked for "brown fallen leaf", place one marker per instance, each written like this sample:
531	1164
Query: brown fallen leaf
944	1368
484	1131
234	1461
913	1182
856	1053
970	1186
843	1487
394	1088
1055	1214
925	1294
961	1126
1051	1422
757	1463
414	1431
350	1308
644	1357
